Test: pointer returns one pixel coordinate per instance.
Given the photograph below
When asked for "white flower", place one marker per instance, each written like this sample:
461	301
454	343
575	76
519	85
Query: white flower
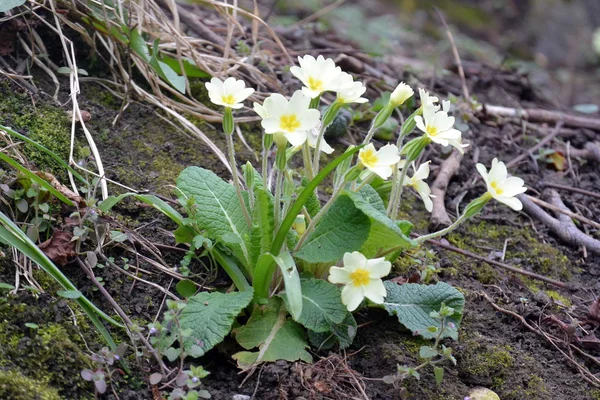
402	93
292	118
312	137
362	278
350	91
318	75
229	93
417	182
446	106
379	162
502	187
426	99
437	126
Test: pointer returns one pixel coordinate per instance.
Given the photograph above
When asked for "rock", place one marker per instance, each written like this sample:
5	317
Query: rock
482	393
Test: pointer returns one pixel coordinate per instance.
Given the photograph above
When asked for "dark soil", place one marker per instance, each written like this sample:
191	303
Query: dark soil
494	349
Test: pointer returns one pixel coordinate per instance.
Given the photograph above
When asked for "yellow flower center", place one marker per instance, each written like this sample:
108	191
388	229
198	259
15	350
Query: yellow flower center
498	190
315	84
228	99
359	277
289	123
368	158
432	130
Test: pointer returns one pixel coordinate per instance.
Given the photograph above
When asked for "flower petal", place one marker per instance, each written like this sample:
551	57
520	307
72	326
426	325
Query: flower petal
339	276
354	260
374	291
512	202
378	268
352	297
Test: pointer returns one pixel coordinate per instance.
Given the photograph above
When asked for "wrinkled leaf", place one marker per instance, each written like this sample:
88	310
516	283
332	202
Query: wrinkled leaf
276	336
210	317
412	303
321	305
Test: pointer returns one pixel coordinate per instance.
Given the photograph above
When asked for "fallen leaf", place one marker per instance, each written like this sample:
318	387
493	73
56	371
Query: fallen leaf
59	248
558	160
590	342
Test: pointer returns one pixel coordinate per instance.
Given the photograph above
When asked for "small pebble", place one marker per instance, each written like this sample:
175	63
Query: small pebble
482	393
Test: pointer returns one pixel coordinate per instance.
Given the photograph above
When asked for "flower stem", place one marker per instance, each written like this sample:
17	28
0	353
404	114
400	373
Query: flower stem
317	154
265	172
319	215
370	134
277	200
236	179
444	231
396	195
308	169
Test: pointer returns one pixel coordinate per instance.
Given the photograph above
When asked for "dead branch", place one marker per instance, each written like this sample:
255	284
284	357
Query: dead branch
564	211
539	115
538	146
571	189
590	152
499	264
439	215
562	226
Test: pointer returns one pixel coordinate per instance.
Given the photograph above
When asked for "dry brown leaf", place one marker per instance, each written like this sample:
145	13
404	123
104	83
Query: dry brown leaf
59	248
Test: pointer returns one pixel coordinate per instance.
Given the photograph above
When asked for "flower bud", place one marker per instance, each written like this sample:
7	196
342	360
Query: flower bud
228	121
402	93
413	148
476	205
267	141
248	170
299	224
280	140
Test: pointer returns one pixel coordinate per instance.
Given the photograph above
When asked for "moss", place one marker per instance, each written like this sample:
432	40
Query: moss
595	394
50	355
527	250
554	295
48	125
16	386
486	365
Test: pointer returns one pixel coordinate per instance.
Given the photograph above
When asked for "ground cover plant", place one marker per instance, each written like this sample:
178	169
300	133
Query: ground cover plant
292	245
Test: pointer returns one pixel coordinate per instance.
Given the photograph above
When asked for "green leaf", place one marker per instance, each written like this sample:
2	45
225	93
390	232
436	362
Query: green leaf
139	46
263	223
303	197
186	288
321	305
43	149
69	294
218	210
31	325
343	228
6	286
15	237
210	317
384	233
6	5
35	178
427	352
342	333
276	336
172	353
438	372
190	68
164	71
291	280
63	70
154	201
412	303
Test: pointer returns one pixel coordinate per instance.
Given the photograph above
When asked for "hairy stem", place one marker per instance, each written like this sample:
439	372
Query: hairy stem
236	180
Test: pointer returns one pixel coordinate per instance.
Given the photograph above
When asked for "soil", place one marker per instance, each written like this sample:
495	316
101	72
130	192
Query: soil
494	349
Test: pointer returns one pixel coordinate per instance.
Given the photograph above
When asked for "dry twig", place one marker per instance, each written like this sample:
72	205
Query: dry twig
562	226
439	215
539	115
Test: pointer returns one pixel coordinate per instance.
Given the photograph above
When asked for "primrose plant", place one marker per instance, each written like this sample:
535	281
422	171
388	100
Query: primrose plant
304	254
